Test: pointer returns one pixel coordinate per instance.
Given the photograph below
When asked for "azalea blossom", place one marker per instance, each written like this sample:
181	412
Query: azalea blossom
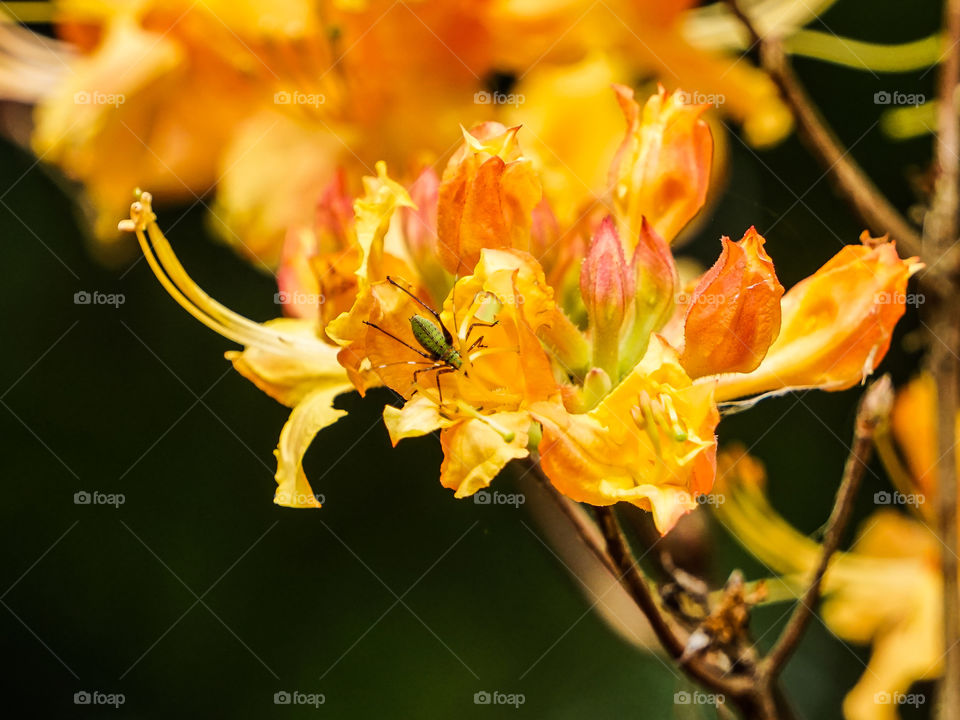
466	312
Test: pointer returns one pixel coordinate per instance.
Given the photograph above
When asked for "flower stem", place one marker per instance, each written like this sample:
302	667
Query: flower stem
874	408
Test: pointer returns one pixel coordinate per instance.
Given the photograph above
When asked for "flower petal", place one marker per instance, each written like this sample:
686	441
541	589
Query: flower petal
734	312
474	451
418	416
662	168
288	378
313	413
486	198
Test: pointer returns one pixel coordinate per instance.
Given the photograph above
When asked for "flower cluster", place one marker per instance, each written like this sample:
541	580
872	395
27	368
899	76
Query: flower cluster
516	333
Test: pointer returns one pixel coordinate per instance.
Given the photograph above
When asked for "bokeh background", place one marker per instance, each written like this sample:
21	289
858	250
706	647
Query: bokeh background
199	598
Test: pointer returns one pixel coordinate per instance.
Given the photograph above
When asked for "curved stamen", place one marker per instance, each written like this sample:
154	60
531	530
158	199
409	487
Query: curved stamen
182	288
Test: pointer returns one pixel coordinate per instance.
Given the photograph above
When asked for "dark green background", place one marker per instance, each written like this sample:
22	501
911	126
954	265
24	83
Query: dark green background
105	399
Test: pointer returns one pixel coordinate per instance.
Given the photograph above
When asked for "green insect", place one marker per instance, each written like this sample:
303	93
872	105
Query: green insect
435	341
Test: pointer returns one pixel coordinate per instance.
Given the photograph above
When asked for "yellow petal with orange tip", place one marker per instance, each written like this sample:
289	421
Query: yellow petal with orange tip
734	312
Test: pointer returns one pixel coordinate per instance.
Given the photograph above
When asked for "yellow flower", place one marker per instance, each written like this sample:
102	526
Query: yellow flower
649	442
887	590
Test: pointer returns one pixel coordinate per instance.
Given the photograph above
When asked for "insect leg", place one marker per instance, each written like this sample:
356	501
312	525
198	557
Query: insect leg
443	371
421	353
479	323
434	366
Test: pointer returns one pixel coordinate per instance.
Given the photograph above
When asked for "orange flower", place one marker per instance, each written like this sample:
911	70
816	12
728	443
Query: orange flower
836	324
650	442
486	197
623	410
662	168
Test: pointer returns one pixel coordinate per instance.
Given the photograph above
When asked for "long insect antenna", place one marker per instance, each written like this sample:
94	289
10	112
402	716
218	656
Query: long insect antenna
421	303
453	292
421	353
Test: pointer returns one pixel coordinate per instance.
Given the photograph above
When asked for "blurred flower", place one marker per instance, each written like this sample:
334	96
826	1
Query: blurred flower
886	590
266	100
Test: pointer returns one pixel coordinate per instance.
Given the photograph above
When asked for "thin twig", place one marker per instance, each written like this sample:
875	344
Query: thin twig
940	232
866	199
874	407
636	584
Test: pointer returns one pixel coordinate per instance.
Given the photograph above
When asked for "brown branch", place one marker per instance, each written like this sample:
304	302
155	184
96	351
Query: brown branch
636	584
867	200
940	232
874	408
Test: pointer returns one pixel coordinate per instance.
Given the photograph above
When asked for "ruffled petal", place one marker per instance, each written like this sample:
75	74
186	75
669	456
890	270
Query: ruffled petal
313	413
475	450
